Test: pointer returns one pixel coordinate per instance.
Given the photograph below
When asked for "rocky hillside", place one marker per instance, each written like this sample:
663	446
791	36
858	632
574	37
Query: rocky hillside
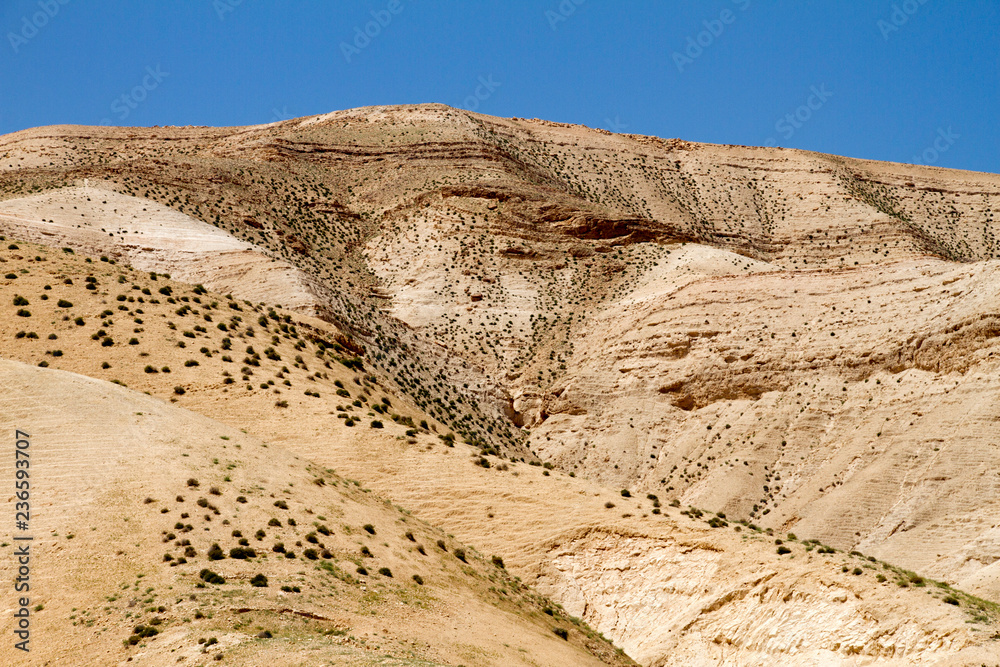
799	342
164	537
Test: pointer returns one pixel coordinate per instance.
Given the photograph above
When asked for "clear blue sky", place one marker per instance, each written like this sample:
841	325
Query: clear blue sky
886	79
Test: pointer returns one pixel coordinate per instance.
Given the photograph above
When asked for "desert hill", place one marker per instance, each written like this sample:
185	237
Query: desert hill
97	317
131	495
802	342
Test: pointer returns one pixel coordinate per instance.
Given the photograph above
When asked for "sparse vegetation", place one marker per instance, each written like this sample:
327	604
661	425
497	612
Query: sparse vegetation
593	226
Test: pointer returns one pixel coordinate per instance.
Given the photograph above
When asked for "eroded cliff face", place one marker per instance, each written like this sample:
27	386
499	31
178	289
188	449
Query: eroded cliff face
856	407
96	220
684	602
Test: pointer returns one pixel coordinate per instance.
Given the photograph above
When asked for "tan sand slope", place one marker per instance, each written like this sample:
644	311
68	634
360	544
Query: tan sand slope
113	471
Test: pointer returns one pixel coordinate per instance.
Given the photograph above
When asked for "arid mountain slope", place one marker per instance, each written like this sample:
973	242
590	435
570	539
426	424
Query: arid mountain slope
856	407
664	585
129	496
803	341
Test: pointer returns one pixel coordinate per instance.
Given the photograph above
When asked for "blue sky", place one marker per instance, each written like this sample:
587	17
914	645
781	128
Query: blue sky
913	80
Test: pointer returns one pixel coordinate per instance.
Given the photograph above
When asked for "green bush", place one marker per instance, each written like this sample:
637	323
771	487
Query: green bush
210	577
259	581
385	572
63	303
